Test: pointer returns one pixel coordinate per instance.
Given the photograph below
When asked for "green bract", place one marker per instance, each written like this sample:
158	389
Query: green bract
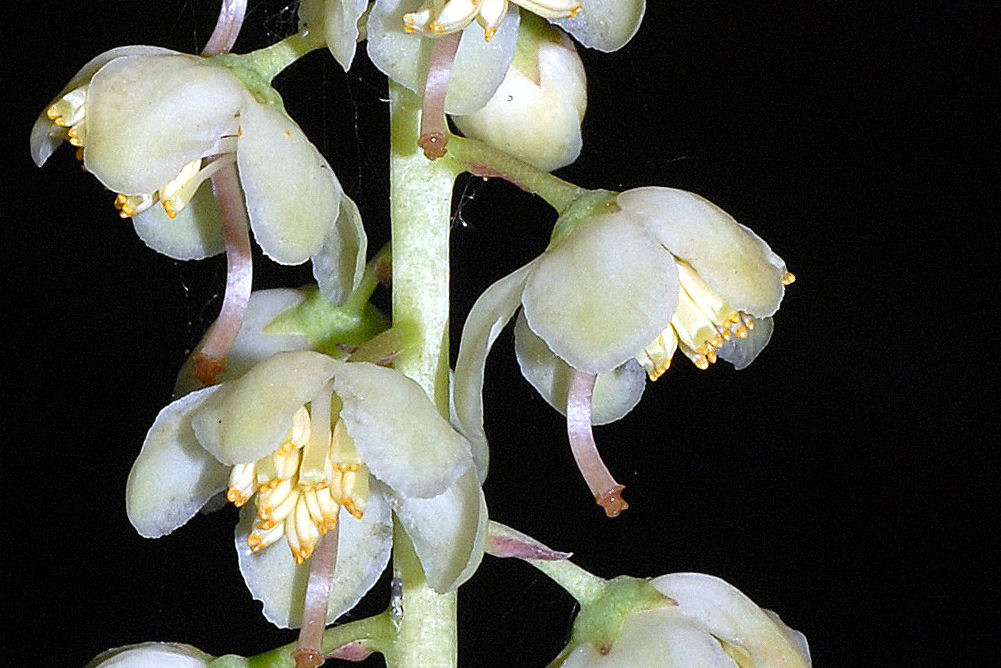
536	112
713	626
480	64
421	470
153	125
662	265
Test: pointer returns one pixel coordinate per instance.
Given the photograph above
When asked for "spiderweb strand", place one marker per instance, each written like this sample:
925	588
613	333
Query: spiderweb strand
607	492
227	27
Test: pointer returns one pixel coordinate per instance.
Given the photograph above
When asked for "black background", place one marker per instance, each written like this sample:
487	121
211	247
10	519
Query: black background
843	479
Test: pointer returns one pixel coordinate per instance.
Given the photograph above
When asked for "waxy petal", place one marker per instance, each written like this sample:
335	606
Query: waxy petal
602	294
340	264
160	654
45	135
363	550
732	260
250	416
194	234
489	315
292	194
174	476
448	531
741	352
398	432
605	25
731	616
340	25
479	66
149	117
616	392
252	344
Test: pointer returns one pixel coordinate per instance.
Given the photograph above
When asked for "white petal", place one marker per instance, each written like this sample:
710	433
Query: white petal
252	344
398	432
173	476
479	65
741	352
448	531
605	25
194	234
339	266
729	257
46	135
292	194
608	290
341	27
250	416
489	315
149	116
363	549
731	616
144	655
616	392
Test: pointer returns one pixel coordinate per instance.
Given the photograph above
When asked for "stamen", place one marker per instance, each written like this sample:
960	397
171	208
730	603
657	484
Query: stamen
318	447
434	136
789	278
210	361
607	492
308	652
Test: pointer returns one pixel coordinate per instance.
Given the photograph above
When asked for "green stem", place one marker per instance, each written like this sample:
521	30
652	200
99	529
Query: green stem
420	206
271	60
579	583
369	280
374	632
483	160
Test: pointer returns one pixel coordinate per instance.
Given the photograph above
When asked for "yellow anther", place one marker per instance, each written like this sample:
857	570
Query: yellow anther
436	28
489	33
701	362
742	332
789	278
235	497
572	14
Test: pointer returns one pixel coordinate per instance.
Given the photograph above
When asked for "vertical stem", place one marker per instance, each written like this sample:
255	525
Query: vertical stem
420	201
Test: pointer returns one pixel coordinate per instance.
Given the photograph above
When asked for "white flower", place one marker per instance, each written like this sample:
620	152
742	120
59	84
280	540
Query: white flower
660	270
159	654
395	29
535	114
713	626
152	125
303	436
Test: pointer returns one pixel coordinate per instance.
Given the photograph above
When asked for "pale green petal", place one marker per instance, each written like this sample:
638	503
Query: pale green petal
398	432
250	416
655	639
252	345
448	531
729	257
173	476
605	25
363	549
46	135
741	352
194	234
147	117
600	296
341	27
339	266
731	616
489	315
159	654
616	392
479	65
292	194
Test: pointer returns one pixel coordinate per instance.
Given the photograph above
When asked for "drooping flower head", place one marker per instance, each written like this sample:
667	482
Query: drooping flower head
153	125
618	293
295	441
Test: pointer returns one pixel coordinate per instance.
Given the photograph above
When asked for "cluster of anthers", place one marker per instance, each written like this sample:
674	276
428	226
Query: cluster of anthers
441	17
302	486
700	326
70	112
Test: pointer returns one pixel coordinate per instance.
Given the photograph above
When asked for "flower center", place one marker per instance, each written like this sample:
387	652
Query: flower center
436	17
302	485
700	326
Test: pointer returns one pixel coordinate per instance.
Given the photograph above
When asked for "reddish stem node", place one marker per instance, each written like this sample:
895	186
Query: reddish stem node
607	492
434	134
210	361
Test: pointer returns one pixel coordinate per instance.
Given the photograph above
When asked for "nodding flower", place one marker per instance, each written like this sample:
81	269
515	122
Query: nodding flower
608	304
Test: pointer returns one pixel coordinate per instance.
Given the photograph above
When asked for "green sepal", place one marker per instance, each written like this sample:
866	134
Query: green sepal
329	327
586	205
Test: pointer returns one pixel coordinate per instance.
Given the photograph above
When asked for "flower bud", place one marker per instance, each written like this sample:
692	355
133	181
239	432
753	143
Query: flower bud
535	114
